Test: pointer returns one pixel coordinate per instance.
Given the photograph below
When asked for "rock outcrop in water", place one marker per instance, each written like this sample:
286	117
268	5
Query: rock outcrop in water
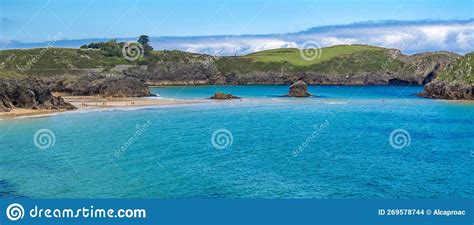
223	96
30	93
447	90
455	81
299	89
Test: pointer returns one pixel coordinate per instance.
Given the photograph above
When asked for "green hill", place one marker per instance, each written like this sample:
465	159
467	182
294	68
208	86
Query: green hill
297	57
331	60
341	64
53	61
63	61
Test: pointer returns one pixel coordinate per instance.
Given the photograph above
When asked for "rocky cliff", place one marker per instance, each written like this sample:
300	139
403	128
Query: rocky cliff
103	84
456	81
31	93
364	66
448	90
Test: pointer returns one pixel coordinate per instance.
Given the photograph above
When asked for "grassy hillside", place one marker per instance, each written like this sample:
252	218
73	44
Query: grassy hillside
460	71
331	60
60	61
52	61
294	56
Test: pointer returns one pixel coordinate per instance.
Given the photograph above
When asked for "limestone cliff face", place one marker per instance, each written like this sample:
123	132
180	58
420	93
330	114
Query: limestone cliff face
31	93
203	70
455	81
446	90
103	84
185	69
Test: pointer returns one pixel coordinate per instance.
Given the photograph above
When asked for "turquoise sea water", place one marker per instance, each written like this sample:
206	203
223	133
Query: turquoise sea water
338	145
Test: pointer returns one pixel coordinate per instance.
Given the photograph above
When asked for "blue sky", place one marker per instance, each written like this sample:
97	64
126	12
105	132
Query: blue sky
40	20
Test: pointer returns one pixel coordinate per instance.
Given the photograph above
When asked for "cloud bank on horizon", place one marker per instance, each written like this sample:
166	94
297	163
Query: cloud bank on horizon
408	36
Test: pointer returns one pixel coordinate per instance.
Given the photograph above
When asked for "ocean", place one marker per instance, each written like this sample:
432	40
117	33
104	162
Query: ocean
347	142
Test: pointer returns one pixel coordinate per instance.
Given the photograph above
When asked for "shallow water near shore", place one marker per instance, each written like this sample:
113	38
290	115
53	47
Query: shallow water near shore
337	145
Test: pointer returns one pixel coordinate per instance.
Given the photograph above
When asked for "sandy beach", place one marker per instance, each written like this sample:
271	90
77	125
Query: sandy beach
20	112
93	102
82	102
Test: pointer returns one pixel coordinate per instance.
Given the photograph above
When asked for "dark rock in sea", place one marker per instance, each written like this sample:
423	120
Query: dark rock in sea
448	90
299	89
222	96
30	93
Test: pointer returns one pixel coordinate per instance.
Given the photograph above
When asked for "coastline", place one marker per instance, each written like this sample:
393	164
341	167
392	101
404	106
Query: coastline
85	103
20	113
167	84
93	102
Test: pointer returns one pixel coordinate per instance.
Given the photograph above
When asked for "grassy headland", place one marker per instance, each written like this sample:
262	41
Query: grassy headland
331	60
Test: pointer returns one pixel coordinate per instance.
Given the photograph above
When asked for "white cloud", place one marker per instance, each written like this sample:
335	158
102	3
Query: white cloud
393	39
465	39
235	45
436	34
331	40
408	36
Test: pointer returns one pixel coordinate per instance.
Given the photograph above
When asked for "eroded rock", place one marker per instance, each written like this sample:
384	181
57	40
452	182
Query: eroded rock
299	89
30	93
105	85
448	90
223	96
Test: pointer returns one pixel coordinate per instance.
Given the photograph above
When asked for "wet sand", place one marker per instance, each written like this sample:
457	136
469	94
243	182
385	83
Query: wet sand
95	102
19	112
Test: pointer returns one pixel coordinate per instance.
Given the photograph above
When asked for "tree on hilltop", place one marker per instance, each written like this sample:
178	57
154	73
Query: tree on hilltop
144	40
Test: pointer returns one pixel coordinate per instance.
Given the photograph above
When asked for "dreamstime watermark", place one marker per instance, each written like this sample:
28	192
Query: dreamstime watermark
222	139
15	212
227	47
139	130
399	139
310	50
389	61
10	59
41	53
317	129
44	139
132	51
